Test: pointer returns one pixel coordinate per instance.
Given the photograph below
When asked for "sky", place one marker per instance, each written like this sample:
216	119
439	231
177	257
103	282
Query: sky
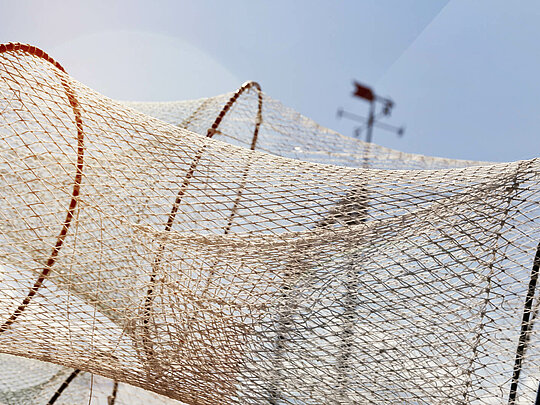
463	74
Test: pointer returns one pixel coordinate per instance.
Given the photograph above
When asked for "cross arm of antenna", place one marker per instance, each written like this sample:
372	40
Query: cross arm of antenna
341	113
392	128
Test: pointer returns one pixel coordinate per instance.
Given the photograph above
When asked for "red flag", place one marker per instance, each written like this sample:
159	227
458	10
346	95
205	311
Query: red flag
363	92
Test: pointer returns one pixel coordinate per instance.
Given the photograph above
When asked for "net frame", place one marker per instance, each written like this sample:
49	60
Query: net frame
513	187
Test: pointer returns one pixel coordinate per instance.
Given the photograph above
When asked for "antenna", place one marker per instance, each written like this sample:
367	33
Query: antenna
366	93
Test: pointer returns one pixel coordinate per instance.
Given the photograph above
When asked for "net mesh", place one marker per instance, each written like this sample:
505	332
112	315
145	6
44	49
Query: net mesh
230	250
29	382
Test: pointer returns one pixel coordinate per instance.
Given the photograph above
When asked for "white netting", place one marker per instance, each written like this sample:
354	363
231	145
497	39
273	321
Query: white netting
286	133
176	259
30	382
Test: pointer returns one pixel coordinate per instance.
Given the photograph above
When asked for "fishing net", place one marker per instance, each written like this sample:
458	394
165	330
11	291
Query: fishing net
29	382
229	250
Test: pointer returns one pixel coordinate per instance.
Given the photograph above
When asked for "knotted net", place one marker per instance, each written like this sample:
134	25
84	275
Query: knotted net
233	251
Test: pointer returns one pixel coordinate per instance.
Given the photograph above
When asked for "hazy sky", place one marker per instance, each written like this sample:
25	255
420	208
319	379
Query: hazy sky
463	73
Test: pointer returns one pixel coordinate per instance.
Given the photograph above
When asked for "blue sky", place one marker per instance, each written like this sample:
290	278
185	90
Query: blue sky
463	74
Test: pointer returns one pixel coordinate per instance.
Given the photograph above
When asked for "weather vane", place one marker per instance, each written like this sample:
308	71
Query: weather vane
370	121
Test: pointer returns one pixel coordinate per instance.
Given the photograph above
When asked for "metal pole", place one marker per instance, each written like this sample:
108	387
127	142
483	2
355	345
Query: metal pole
371	121
526	326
